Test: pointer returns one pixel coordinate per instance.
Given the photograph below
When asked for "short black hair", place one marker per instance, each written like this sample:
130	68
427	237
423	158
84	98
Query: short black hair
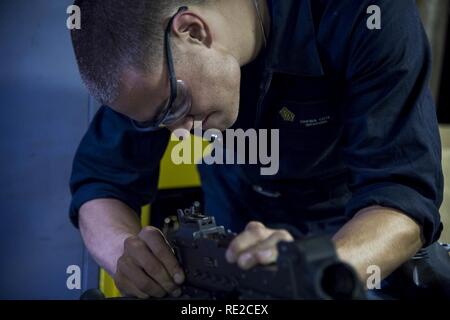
119	34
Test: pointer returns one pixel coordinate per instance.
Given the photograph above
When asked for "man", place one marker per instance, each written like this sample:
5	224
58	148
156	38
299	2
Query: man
367	172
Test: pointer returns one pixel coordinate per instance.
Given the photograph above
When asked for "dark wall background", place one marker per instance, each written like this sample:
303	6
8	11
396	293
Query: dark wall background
44	110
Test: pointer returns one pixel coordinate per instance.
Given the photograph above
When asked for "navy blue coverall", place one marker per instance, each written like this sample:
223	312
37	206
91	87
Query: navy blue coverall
376	141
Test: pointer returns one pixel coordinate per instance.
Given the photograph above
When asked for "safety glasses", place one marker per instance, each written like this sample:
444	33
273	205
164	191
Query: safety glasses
180	102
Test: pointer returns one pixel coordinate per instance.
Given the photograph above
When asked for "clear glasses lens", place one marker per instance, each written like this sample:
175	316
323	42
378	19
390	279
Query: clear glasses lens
181	106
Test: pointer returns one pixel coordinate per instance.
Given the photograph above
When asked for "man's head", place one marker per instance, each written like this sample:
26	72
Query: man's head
122	58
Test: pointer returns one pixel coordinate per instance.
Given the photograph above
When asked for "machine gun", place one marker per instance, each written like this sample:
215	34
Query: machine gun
305	269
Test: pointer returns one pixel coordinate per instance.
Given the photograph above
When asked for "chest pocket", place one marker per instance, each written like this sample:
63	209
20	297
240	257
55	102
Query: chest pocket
307	126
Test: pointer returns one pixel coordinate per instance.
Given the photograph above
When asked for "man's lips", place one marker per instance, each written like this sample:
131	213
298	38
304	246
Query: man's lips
205	121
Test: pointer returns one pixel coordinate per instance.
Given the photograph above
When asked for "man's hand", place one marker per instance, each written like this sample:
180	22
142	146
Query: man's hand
148	267
256	245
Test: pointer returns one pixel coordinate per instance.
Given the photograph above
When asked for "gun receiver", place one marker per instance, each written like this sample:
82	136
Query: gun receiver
305	269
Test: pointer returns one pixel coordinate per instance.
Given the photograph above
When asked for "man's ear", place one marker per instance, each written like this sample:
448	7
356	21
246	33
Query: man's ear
188	25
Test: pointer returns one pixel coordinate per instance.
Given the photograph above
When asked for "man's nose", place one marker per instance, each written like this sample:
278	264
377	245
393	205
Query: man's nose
183	127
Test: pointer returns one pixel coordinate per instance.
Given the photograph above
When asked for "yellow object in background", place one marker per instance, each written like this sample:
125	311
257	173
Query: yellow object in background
171	177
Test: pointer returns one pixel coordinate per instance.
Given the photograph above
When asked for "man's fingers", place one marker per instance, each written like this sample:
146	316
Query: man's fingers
127	288
162	250
154	268
254	232
264	252
140	252
142	255
140	279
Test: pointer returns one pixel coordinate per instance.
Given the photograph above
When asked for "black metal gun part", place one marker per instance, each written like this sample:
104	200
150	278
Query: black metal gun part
305	269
